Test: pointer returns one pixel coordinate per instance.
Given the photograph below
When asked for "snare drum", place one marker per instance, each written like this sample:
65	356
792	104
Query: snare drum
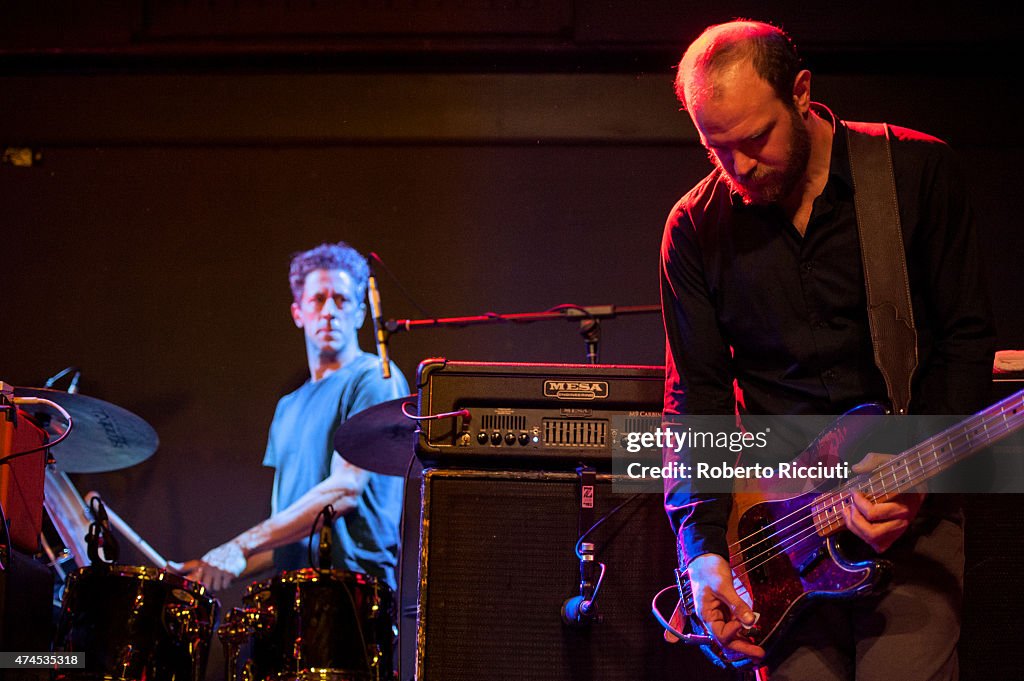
136	623
308	624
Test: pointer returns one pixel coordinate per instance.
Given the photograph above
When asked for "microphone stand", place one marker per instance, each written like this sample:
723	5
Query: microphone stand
589	317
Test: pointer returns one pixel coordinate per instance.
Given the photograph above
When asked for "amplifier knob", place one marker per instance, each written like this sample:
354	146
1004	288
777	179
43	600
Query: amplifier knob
495	438
510	438
481	437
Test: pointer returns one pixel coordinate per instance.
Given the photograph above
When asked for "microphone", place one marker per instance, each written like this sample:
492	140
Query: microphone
113	520
580	611
324	549
380	334
102	546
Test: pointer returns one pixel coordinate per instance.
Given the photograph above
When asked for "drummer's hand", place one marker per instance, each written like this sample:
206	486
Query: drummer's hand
218	568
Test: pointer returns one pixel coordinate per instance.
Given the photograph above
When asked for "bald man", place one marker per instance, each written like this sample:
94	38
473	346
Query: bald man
762	284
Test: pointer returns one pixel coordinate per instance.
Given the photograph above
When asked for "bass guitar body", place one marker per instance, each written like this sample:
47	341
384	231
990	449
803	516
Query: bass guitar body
781	579
785	561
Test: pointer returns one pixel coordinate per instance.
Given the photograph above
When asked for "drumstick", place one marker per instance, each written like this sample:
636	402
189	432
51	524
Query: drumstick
132	536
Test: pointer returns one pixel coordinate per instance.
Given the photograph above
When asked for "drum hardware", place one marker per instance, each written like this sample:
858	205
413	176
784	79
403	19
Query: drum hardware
53	560
234	634
243	622
181	619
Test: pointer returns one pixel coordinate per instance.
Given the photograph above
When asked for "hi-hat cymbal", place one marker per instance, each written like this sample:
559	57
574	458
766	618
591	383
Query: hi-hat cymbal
380	439
104	437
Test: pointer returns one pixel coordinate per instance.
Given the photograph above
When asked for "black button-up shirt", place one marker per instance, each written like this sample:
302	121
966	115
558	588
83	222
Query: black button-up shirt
746	298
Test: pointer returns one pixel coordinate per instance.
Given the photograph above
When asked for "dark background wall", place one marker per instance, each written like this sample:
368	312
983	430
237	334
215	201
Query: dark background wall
499	156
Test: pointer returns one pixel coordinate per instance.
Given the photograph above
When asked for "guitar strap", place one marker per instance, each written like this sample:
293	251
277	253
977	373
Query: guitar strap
890	317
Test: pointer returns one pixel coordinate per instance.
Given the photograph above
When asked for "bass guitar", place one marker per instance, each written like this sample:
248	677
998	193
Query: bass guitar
787	554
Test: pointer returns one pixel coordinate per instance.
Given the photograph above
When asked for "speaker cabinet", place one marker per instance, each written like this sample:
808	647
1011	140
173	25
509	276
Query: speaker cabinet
497	562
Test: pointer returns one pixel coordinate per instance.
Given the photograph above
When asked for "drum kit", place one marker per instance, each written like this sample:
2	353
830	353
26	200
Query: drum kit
140	622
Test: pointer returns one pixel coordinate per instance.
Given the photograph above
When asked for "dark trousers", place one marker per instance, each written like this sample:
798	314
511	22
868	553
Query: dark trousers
908	632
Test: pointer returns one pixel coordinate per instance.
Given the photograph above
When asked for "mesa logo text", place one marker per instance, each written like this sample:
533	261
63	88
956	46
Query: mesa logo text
576	390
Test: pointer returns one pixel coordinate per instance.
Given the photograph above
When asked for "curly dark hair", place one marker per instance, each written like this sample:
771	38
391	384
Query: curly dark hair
339	256
769	48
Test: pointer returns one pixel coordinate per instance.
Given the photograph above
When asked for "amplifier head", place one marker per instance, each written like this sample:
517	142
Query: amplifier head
546	415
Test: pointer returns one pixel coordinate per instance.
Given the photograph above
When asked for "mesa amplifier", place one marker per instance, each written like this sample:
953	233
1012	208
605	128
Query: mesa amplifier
547	415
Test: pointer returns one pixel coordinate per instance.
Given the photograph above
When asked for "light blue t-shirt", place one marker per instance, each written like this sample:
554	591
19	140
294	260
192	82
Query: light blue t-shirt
300	447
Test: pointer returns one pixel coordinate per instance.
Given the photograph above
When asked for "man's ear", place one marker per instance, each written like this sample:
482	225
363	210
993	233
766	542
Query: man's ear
362	315
297	315
802	91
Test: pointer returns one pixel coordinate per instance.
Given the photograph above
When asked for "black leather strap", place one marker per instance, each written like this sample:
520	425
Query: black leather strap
890	315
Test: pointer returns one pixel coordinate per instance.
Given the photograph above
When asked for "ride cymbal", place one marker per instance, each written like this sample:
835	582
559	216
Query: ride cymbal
104	437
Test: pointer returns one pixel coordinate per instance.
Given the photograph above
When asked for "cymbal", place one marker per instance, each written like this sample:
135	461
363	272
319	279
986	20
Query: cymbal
104	437
380	438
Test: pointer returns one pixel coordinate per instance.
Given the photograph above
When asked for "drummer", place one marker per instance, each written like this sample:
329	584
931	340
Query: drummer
328	288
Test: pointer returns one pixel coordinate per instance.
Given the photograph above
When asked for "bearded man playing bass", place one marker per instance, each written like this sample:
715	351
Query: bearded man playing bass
762	285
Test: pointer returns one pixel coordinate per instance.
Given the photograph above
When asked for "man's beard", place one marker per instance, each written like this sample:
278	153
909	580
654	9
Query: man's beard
773	184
